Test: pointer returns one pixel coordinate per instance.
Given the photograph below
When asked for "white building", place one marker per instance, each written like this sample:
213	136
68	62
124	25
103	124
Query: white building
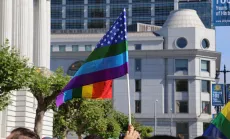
26	24
173	67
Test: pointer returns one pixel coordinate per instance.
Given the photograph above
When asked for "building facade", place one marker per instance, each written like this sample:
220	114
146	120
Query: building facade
26	24
172	68
95	14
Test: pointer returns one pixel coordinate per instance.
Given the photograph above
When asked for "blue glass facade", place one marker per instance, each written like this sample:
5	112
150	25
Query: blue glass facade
203	9
96	14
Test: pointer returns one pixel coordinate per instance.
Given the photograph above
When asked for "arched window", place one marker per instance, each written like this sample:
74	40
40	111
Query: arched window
74	68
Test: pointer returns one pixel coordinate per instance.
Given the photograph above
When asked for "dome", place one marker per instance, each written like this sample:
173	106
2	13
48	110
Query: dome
183	18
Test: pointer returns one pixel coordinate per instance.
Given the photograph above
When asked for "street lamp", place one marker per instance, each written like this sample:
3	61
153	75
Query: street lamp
155	118
225	85
171	122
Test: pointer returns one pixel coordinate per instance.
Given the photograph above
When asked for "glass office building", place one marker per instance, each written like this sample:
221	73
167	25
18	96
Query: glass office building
100	14
203	8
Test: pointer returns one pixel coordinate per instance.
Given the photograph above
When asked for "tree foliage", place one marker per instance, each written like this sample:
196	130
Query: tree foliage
14	73
45	86
92	117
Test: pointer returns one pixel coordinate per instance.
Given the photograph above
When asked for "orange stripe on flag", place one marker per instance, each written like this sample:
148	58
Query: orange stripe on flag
102	89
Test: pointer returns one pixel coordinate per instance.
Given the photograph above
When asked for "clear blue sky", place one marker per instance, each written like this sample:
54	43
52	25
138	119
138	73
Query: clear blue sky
223	46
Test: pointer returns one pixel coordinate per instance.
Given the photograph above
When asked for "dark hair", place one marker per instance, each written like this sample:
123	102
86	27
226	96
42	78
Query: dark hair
93	137
163	137
23	132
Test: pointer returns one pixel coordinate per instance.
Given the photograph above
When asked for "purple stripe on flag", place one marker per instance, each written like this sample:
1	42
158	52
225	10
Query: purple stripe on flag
98	76
60	99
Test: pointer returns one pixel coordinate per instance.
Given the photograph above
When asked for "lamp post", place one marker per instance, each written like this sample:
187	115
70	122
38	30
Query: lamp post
155	118
171	122
225	85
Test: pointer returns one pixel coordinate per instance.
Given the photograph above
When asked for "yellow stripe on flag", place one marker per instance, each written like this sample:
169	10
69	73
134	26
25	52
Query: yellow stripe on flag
226	111
87	91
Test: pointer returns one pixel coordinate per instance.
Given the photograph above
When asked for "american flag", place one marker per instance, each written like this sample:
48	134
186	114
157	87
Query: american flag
117	32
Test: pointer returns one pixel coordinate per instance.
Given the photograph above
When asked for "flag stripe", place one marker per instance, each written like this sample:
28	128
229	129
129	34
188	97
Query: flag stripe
87	91
103	52
99	76
222	124
96	90
102	89
102	64
77	92
212	131
226	112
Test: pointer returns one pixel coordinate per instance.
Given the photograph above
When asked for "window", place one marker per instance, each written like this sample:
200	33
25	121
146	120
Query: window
137	106
182	130
206	107
137	64
61	48
74	48
138	85
205	86
181	64
181	42
88	48
73	68
51	48
182	85
137	46
182	106
205	43
205	65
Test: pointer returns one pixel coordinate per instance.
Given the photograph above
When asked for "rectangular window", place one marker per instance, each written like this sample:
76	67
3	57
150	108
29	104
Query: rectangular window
137	106
61	48
137	64
138	85
182	130
182	106
181	64
51	48
205	86
137	46
74	48
206	108
88	47
182	85
205	65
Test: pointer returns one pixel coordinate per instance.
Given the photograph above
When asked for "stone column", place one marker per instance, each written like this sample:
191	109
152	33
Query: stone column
48	33
23	27
5	21
41	34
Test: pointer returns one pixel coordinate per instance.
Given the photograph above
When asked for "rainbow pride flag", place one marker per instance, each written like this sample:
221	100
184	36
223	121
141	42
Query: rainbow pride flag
220	126
108	61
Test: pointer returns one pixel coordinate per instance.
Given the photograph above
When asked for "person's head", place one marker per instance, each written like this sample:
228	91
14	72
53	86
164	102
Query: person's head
93	137
162	137
22	133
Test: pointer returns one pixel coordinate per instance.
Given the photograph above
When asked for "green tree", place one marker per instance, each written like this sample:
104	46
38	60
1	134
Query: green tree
122	119
92	117
14	73
85	117
45	86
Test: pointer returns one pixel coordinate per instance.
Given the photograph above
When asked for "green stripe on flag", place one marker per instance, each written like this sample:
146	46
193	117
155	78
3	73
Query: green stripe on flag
222	124
107	51
77	92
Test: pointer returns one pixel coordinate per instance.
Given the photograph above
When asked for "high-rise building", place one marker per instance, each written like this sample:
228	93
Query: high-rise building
203	8
94	14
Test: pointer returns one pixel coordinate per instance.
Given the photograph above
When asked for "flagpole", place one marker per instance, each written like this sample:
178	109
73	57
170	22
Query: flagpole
129	106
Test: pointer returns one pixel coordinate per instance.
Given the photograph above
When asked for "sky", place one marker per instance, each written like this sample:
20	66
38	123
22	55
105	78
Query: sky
223	46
